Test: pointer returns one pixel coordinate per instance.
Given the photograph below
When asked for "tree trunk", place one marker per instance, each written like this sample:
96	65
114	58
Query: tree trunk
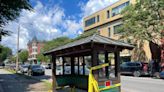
156	54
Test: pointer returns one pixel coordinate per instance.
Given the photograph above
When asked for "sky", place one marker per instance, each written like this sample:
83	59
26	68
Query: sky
51	19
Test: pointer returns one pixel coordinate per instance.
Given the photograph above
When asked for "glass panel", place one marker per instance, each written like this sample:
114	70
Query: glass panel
90	21
117	29
117	10
109	33
88	64
111	66
76	65
98	18
102	72
80	65
67	65
108	14
59	68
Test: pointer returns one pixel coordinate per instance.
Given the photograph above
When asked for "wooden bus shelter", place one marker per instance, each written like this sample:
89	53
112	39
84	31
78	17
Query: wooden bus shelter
82	55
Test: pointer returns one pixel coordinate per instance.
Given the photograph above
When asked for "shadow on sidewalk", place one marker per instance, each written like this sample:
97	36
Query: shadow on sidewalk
18	83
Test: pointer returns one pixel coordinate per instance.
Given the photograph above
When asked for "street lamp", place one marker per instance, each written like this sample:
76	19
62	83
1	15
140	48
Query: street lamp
17	61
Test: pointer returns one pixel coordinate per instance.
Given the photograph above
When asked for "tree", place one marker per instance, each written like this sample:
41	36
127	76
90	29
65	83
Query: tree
23	56
55	43
9	11
42	58
144	21
6	52
12	59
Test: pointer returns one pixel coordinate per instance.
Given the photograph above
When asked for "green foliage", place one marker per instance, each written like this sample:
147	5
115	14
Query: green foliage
55	43
85	34
42	58
12	59
144	20
23	56
10	10
5	53
64	40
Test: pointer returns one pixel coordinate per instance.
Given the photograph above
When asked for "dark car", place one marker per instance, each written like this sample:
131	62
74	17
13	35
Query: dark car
161	75
35	70
135	68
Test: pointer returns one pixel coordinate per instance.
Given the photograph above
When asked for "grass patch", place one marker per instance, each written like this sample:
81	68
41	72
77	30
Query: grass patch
11	71
48	84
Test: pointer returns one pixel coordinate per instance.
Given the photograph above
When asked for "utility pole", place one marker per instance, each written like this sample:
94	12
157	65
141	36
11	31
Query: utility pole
17	61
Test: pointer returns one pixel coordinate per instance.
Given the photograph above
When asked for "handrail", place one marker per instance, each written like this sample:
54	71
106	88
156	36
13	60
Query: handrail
92	83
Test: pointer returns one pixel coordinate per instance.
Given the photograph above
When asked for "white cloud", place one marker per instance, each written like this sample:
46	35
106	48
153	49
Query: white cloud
48	23
45	24
94	5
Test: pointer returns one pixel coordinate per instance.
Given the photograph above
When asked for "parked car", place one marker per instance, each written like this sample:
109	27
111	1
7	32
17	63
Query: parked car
161	75
24	68
36	69
48	66
13	66
135	68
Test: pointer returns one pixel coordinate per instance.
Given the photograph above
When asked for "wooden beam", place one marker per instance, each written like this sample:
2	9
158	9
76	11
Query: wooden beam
54	73
117	63
72	65
94	60
74	52
83	65
63	59
106	61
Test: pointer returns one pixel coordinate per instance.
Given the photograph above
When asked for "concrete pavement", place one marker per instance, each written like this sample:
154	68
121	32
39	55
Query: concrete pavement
141	84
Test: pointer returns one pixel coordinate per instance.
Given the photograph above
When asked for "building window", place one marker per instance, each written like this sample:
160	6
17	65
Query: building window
117	10
117	29
98	18
108	14
90	21
109	32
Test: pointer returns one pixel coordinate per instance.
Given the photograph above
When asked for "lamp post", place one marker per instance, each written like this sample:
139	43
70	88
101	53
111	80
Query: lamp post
17	61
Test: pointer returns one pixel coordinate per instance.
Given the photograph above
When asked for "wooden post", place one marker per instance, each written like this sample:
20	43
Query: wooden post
94	60
63	59
117	67
117	63
106	61
72	65
83	65
54	73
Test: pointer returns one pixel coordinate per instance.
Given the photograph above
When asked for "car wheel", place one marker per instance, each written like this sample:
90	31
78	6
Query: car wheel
136	74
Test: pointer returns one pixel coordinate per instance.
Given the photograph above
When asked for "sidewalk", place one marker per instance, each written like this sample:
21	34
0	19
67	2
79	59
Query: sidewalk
10	82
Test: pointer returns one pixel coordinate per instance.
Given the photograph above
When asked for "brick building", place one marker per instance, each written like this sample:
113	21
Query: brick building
34	48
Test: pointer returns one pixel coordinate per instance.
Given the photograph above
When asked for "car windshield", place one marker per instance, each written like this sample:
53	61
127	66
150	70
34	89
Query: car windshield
25	66
36	66
131	64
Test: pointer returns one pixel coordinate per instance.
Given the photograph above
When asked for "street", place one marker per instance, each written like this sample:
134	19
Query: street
134	84
141	84
14	83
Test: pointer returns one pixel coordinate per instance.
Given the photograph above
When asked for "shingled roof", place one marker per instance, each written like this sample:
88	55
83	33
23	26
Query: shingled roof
93	38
